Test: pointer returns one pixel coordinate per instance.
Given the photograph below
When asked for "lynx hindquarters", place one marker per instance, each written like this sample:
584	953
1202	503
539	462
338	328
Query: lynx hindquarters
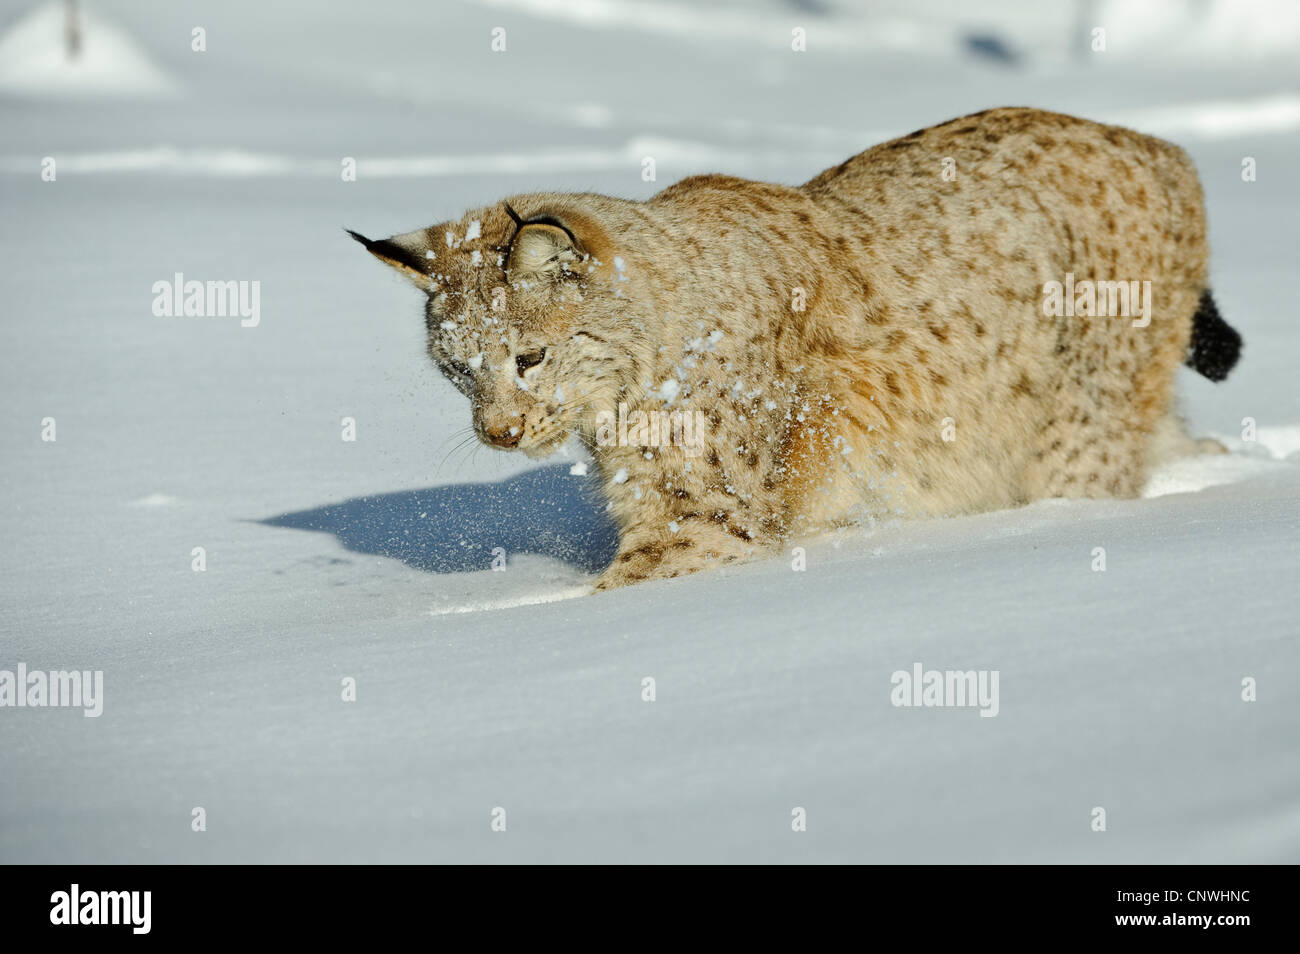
908	333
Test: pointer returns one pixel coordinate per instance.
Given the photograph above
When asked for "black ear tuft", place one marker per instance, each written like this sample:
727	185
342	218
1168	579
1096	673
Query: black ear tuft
390	252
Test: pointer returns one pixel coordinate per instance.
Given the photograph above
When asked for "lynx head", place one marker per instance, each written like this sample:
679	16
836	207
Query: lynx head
527	315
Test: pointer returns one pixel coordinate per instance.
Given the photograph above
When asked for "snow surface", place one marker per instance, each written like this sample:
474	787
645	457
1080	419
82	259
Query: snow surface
372	559
34	61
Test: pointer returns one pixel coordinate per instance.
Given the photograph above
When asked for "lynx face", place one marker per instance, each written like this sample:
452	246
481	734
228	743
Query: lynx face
520	317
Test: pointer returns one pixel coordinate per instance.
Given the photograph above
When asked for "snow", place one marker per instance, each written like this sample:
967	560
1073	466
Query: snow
33	60
449	580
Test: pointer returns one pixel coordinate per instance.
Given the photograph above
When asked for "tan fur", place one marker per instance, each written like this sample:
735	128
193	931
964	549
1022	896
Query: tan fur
922	301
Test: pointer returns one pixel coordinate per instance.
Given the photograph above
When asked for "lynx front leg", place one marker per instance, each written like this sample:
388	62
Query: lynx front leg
686	545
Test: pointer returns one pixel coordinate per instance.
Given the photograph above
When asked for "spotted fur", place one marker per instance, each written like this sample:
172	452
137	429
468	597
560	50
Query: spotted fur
869	344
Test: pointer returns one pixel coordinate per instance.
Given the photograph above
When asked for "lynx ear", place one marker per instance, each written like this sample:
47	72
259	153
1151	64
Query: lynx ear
404	252
541	247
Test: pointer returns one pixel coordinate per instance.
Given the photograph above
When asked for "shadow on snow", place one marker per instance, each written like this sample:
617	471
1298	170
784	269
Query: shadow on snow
454	528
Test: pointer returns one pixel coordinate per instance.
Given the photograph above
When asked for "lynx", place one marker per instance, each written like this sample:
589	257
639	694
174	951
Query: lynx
884	340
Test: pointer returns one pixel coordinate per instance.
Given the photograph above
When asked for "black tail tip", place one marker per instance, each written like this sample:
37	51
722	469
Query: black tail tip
1216	345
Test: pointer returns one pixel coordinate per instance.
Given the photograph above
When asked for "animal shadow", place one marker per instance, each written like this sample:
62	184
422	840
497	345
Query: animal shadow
455	528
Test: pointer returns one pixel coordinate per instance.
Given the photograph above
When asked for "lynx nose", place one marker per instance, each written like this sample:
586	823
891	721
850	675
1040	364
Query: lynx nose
505	435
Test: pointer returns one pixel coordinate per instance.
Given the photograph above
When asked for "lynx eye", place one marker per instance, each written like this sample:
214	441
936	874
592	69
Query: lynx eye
530	360
461	369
